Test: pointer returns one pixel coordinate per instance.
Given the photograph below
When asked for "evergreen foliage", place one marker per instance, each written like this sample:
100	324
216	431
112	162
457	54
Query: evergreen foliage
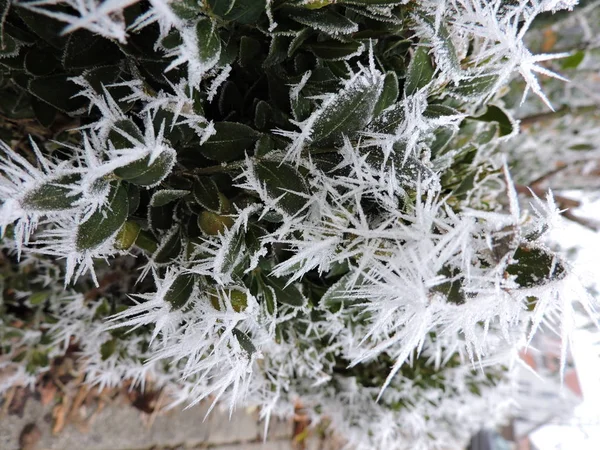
260	201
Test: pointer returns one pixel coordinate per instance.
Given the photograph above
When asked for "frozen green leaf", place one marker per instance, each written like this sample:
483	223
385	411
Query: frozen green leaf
209	42
230	141
106	221
389	93
180	291
164	196
336	50
144	173
206	194
350	111
54	195
420	72
288	294
535	266
245	341
283	182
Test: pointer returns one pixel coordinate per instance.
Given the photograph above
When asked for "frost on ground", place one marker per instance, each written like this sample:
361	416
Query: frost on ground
356	245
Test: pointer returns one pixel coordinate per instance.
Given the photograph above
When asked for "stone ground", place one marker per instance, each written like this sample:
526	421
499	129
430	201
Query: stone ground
120	426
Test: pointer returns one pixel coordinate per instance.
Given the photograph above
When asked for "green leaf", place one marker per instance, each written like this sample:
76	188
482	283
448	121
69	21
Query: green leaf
298	40
389	93
335	50
49	29
445	50
106	221
452	288
180	291
389	120
38	298
337	293
277	50
232	251
206	194
40	61
283	180
475	88
246	11
250	50
220	7
534	266
325	20
498	115
54	195
435	111
420	72
169	247
164	196
58	91
108	348
288	295
245	341
127	235
142	173
229	142
125	134
44	113
573	61
85	50
581	147
350	111
209	43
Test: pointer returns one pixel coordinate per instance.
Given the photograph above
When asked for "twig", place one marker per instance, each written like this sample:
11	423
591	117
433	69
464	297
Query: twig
530	120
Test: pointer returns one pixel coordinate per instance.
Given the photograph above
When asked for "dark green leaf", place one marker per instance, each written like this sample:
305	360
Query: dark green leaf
288	295
498	115
54	195
389	93
434	111
40	61
209	43
144	173
108	348
534	266
325	20
336	50
232	252
58	91
475	88
125	134
349	112
298	40
169	247
220	7
85	49
206	194
283	180
420	72
44	113
246	11
180	291
249	51
105	221
230	141
164	196
245	341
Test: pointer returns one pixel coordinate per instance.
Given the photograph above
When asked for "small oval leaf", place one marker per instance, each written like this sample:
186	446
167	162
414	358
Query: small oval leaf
105	221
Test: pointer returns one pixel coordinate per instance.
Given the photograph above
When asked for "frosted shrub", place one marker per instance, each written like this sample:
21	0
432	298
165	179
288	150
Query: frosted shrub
266	202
